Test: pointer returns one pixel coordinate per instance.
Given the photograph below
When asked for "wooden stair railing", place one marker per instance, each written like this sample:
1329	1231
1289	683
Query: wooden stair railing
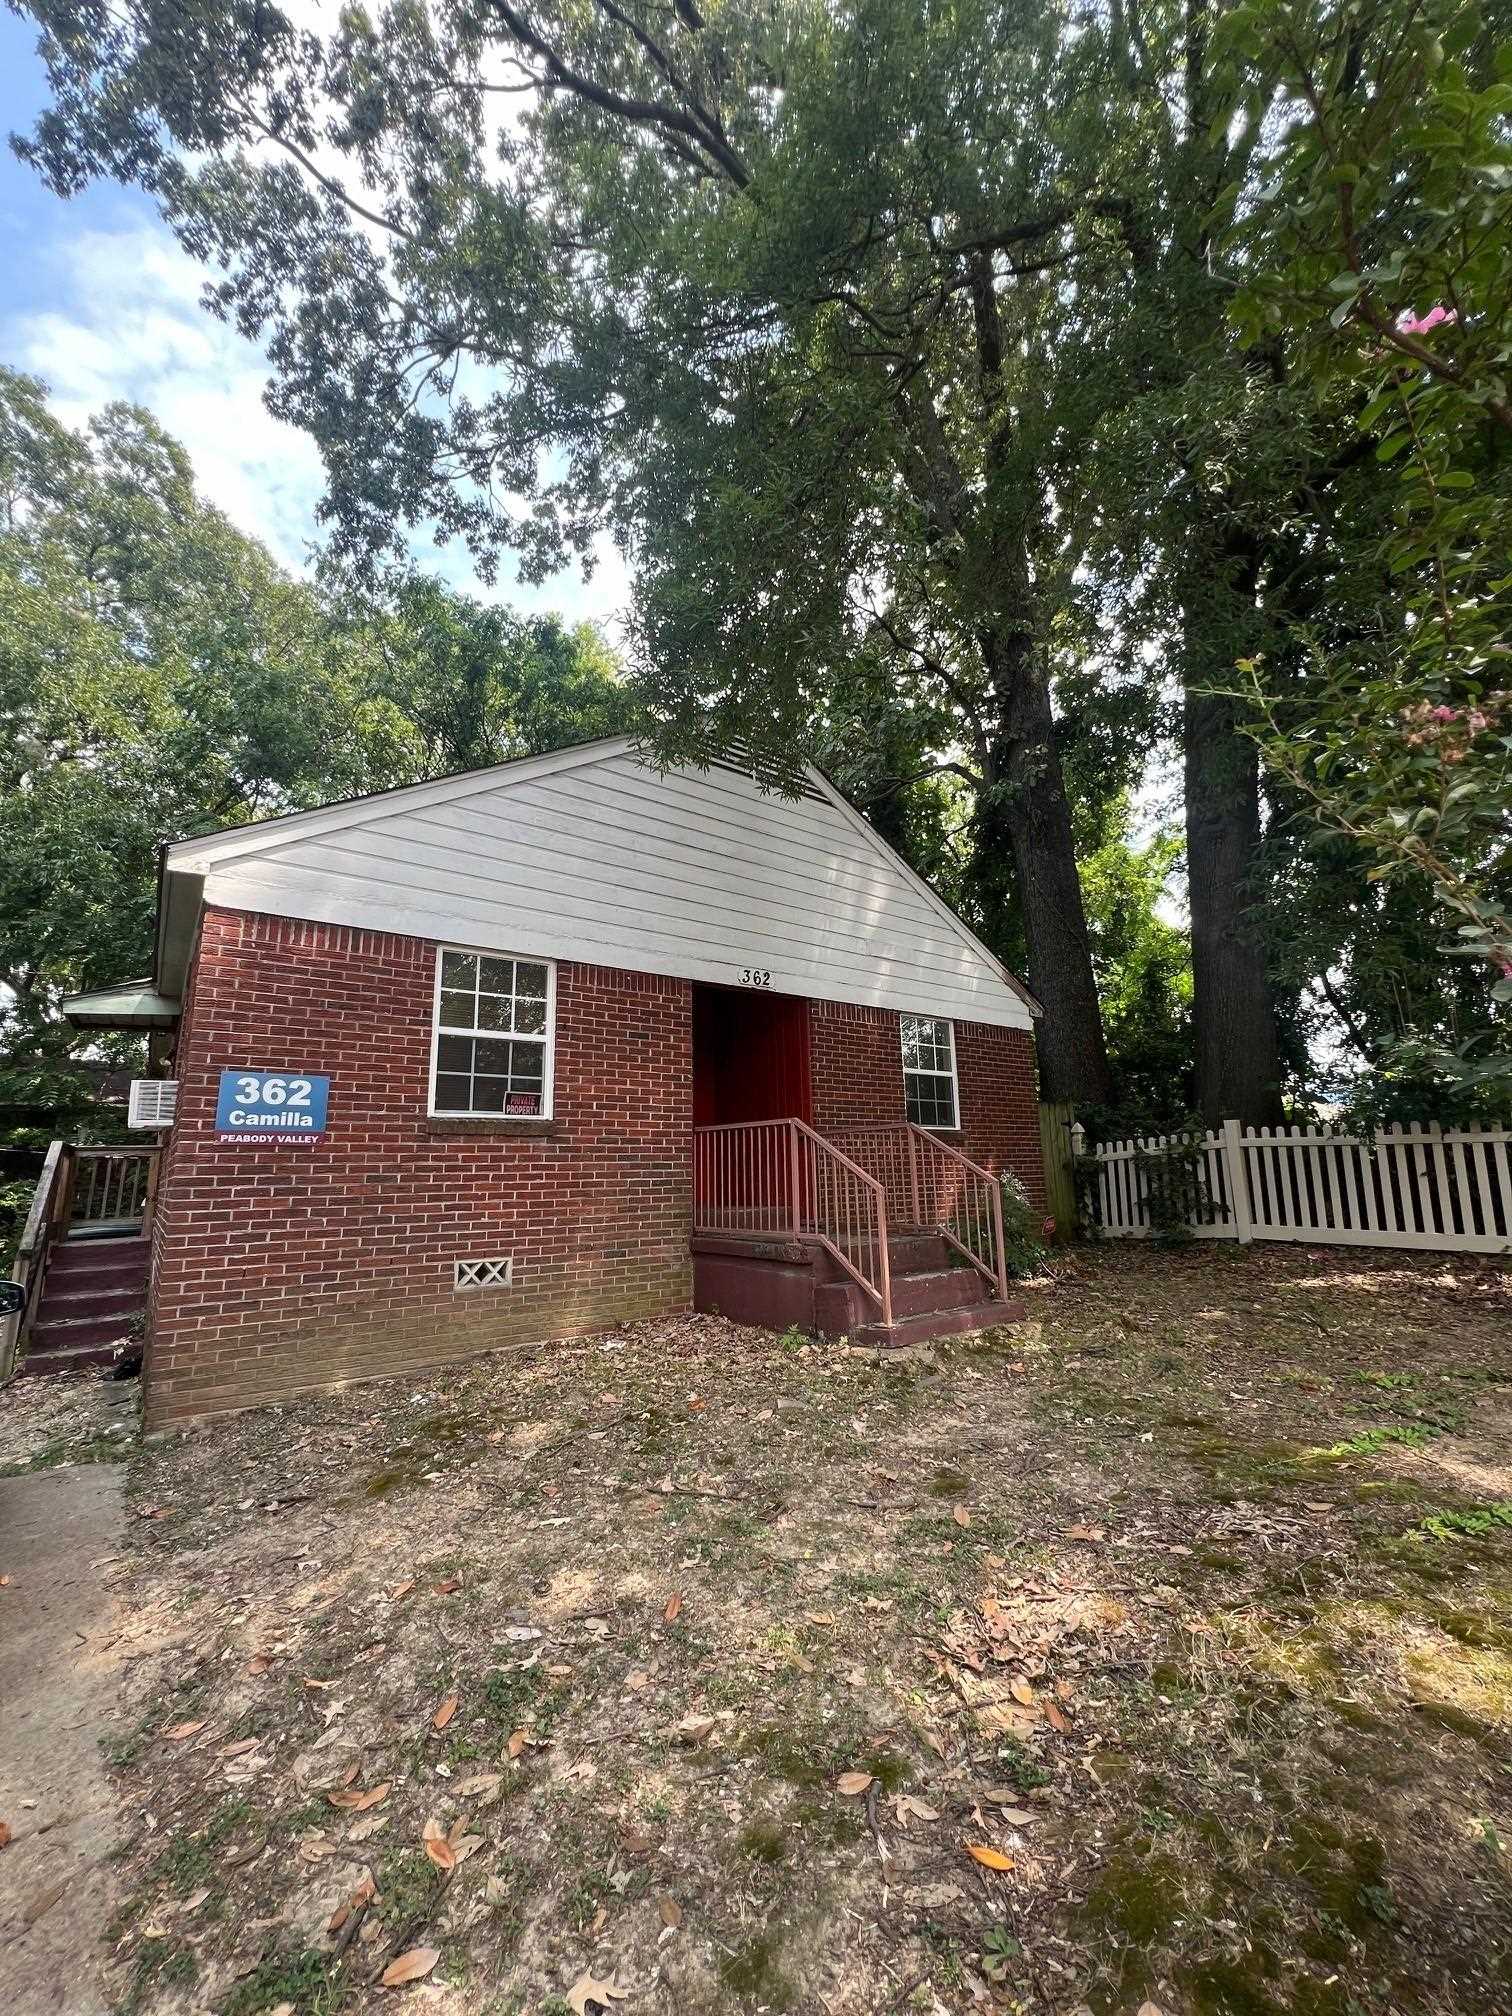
100	1189
38	1237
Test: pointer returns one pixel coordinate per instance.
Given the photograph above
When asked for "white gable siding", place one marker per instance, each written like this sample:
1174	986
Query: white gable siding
695	874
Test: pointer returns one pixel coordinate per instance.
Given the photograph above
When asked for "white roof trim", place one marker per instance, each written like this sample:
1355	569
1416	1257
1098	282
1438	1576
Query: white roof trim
200	855
936	903
214	849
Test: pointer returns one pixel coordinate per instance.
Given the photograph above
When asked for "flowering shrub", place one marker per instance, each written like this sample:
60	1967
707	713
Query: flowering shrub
1393	186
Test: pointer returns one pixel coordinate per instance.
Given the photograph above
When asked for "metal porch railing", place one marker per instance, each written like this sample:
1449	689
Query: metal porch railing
779	1179
927	1182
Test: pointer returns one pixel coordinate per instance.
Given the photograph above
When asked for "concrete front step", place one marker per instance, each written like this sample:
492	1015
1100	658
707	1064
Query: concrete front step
941	1288
783	1283
923	1329
916	1252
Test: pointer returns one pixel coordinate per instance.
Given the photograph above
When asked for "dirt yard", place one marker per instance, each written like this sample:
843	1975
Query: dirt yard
1157	1651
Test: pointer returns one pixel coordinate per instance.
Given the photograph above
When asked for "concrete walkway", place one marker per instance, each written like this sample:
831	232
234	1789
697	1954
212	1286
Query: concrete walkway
60	1671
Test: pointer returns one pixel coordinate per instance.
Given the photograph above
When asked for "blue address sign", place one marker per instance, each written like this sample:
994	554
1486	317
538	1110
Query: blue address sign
271	1106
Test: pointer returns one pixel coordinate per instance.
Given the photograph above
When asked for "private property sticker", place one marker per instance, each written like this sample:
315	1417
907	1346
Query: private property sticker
285	1106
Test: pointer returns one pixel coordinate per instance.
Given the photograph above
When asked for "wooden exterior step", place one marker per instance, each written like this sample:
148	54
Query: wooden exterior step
93	1290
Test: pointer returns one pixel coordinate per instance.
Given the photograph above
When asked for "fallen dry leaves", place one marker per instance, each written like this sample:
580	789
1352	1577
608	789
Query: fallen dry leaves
350	1800
411	1966
1020	1644
587	1989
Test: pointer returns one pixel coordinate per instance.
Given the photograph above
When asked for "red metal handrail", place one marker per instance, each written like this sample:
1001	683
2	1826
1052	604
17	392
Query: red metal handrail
780	1178
928	1182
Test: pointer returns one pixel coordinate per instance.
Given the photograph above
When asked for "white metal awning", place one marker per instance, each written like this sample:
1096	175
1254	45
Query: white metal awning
134	1004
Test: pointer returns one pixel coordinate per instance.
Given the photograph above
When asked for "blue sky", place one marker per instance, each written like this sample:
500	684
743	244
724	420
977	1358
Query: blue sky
97	299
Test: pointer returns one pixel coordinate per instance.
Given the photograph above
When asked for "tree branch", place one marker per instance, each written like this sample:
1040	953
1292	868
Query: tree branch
327	182
638	111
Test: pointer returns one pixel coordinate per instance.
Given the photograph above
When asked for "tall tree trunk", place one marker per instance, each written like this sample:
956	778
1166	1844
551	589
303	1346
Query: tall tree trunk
1234	1017
1025	805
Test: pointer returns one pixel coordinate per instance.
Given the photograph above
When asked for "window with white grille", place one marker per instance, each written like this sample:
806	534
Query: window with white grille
152	1102
929	1072
492	1049
483	1274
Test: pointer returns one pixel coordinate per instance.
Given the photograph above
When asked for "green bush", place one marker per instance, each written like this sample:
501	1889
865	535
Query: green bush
1024	1230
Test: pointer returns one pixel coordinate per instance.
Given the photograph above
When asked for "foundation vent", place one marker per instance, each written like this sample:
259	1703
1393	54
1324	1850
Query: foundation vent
483	1274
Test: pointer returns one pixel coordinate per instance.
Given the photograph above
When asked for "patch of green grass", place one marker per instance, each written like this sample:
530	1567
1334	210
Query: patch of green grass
1416	1435
122	1751
185	1864
514	1697
1018	1765
753	1972
1474	1524
53	1455
764	1841
303	1978
406	1883
161	1964
1000	1952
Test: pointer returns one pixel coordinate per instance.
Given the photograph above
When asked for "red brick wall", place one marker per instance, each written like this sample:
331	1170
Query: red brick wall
858	1079
282	1269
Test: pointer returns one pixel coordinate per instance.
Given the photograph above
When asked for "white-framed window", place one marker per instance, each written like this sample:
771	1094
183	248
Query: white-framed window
493	1032
929	1072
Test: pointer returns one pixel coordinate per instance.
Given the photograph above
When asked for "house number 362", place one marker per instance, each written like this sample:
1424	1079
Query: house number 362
755	976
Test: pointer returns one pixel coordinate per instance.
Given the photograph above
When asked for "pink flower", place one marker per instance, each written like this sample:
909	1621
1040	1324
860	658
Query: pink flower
1419	325
1446	713
1049	1225
1506	967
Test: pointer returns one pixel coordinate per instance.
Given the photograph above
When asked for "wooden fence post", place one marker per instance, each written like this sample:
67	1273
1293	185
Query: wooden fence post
1056	1151
1238	1181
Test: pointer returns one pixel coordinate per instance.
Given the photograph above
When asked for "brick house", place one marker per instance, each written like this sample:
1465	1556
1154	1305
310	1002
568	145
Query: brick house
530	1052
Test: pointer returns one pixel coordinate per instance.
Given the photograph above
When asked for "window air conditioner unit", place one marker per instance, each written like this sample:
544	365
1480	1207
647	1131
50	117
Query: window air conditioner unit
153	1102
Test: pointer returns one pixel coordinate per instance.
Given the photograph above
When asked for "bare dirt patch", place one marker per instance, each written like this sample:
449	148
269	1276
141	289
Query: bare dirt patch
1157	1648
75	1418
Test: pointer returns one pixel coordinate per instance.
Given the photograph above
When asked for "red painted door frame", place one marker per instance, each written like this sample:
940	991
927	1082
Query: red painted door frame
750	1057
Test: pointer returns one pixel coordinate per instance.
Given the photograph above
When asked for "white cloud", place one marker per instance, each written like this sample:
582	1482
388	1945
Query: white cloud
126	323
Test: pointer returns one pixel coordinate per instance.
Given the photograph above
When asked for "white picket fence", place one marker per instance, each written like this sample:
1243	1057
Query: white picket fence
1446	1190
